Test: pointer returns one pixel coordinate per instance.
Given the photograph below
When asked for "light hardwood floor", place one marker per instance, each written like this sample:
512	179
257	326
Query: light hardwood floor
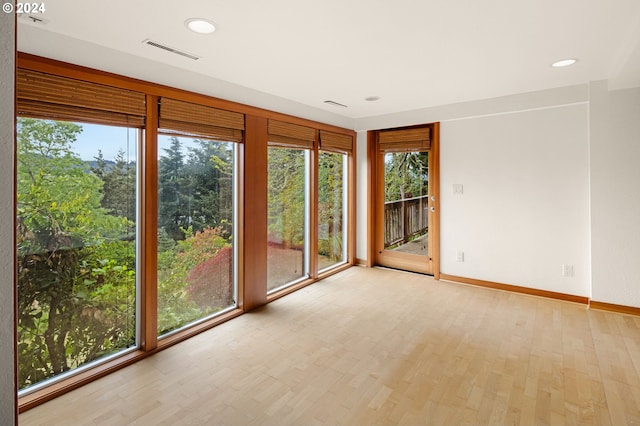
375	346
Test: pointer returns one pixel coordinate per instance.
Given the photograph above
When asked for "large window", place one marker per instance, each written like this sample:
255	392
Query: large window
332	212
287	250
76	237
143	219
195	230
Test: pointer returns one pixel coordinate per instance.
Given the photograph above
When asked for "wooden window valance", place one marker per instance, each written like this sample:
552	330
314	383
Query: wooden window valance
330	141
401	140
53	97
287	135
189	119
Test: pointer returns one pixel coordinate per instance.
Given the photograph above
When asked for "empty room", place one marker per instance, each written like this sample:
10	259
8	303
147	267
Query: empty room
328	212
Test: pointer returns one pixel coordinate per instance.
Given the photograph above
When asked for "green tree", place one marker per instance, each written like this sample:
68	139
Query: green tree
330	204
196	280
119	180
210	170
68	249
406	175
286	196
195	210
174	192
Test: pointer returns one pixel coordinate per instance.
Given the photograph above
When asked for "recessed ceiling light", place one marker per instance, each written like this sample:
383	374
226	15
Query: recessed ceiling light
564	63
372	98
200	25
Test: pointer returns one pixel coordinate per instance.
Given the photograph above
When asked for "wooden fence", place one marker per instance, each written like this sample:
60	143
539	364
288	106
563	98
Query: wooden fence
404	219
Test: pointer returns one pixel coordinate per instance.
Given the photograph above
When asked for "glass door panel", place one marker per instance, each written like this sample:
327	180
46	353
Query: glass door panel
405	211
406	199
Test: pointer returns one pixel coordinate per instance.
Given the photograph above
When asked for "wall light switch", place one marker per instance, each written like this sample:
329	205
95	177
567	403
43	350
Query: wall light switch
567	270
457	188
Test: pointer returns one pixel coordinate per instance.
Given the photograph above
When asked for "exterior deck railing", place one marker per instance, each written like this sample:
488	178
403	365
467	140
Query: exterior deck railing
405	218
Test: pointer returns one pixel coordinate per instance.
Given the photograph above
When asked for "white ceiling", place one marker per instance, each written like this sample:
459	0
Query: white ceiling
411	53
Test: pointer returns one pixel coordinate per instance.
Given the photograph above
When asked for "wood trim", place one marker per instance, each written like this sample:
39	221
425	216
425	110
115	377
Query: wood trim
352	204
191	331
65	69
372	163
148	262
517	289
289	289
314	161
255	204
361	262
333	271
75	381
239	237
435	190
378	208
611	307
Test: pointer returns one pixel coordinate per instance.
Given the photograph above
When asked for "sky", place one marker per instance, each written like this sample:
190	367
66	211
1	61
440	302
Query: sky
110	139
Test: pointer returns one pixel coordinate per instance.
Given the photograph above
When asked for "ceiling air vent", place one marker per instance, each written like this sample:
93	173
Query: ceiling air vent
33	19
334	103
170	49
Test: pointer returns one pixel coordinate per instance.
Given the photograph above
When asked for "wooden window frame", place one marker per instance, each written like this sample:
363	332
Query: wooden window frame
252	197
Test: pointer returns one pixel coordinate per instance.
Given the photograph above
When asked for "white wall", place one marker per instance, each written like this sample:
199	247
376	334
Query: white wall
523	161
7	340
524	210
361	195
615	194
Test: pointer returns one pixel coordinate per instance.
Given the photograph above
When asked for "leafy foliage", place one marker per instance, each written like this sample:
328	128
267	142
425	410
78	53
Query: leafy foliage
406	175
286	197
119	189
195	282
68	248
77	254
330	205
195	187
195	212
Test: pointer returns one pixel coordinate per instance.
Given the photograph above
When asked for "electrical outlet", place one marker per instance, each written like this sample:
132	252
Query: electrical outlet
458	189
567	270
460	256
